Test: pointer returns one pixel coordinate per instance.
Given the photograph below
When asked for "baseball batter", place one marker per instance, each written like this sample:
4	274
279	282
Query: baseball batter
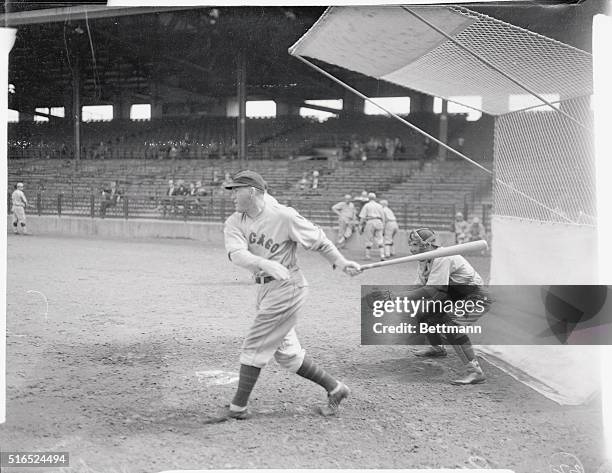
448	278
347	216
19	203
263	236
391	229
372	222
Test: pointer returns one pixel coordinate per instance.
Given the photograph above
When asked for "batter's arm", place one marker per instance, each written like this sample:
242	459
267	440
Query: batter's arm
245	259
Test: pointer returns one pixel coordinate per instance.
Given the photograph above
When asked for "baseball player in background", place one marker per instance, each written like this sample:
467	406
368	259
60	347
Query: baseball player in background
391	229
448	278
347	217
18	205
460	228
263	236
372	223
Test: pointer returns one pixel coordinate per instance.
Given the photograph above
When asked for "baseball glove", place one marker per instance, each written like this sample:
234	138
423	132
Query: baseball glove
377	295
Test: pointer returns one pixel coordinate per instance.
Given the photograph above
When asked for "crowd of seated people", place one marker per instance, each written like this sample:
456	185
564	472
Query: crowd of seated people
356	150
181	197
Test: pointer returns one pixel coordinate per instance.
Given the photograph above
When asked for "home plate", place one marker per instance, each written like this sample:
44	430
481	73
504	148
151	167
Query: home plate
216	377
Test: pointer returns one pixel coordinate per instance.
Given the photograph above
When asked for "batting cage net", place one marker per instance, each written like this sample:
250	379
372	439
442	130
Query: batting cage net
548	157
538	89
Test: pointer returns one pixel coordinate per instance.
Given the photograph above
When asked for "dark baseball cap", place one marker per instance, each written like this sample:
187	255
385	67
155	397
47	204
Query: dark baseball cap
247	179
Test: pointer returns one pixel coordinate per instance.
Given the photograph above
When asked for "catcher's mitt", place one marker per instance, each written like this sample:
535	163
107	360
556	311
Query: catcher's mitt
377	295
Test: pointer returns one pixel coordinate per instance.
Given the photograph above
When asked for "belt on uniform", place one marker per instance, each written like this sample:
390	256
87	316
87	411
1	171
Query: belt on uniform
263	279
374	218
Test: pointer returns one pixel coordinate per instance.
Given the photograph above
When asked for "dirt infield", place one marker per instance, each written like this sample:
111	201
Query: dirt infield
109	373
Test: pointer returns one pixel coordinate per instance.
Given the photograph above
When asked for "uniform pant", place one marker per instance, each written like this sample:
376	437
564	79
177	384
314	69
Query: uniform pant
345	230
373	233
272	333
391	229
19	217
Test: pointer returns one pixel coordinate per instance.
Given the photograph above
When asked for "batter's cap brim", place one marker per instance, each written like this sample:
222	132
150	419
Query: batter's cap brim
236	184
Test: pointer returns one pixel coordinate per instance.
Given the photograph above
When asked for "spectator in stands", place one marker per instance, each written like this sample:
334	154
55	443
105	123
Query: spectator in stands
460	228
476	230
389	148
399	146
171	189
332	160
347	219
460	144
192	189
182	189
110	198
173	152
303	183
184	146
372	145
100	152
356	150
200	191
315	180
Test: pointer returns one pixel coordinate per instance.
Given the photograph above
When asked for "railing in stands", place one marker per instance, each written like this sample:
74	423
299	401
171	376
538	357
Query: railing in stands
211	208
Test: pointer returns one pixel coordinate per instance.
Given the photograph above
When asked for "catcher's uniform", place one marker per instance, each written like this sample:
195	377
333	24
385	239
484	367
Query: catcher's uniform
374	216
19	202
455	279
346	220
275	234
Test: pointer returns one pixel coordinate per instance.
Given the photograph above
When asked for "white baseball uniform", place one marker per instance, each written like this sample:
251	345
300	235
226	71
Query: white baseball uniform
391	226
374	215
346	220
19	202
275	234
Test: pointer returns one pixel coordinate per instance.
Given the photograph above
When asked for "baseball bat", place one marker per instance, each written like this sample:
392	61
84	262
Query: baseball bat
461	249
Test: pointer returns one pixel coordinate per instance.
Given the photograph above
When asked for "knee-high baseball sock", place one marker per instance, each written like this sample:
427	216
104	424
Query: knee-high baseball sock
246	382
311	371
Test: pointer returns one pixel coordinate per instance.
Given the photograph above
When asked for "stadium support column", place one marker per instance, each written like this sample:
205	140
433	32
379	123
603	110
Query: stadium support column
443	136
241	122
7	39
76	109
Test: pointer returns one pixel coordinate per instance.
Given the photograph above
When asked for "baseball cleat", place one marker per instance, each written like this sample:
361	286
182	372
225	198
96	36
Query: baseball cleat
432	352
474	376
228	415
239	415
334	399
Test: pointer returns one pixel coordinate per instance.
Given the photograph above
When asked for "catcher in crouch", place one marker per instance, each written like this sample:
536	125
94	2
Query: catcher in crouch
448	278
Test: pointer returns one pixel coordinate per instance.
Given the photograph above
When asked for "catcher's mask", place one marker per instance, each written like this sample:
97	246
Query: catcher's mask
421	240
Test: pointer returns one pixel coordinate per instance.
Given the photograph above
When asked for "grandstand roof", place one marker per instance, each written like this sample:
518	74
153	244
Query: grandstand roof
194	50
447	51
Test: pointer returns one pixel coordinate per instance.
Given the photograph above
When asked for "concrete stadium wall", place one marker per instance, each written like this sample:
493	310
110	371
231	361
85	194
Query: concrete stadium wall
150	228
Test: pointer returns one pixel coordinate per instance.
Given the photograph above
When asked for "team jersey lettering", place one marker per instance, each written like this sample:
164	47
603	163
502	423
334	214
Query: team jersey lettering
268	244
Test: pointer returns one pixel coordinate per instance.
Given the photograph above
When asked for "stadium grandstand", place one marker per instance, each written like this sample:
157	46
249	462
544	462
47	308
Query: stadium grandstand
211	102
